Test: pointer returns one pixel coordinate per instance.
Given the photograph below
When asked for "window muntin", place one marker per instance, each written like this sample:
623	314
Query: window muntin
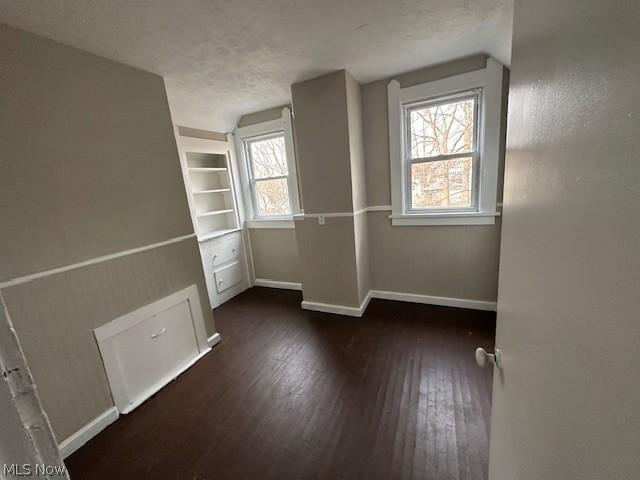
441	153
268	171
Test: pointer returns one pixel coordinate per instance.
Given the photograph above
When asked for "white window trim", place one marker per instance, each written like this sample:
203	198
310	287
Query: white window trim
490	80
245	133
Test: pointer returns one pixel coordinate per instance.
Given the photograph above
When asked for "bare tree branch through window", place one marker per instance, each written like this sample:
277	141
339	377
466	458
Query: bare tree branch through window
441	130
268	159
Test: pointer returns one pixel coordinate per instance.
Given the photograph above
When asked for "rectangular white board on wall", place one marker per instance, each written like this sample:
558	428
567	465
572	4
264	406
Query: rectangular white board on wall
145	349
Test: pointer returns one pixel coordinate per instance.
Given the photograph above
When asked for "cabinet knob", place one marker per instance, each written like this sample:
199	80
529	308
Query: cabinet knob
158	333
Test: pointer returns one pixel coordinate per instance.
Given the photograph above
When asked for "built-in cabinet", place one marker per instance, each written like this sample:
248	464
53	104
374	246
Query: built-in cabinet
224	267
211	176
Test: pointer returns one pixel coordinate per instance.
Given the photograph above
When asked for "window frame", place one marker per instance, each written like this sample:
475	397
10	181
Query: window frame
253	180
488	113
265	130
408	162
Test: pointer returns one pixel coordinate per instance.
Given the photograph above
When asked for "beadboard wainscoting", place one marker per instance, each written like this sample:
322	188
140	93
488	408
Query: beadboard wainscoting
55	317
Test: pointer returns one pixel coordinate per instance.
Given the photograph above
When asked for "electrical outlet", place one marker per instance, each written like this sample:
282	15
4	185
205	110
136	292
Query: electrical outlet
321	220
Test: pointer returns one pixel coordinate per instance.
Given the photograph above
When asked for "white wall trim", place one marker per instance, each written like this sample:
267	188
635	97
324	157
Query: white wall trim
326	215
76	440
257	129
434	300
265	223
282	124
387	295
85	263
379	208
214	339
190	294
338	309
265	282
467	218
374	208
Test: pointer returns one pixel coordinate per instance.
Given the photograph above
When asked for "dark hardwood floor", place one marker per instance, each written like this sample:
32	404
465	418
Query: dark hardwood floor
291	394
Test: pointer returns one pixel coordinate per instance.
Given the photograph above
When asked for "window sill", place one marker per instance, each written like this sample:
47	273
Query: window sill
283	222
449	218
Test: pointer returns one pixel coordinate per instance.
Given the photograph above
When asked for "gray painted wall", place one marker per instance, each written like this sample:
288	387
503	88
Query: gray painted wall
358	184
89	167
322	143
458	262
274	251
566	405
89	164
450	261
329	148
328	261
275	254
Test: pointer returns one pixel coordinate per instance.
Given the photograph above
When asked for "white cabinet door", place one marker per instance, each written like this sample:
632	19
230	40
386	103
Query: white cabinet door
219	258
227	277
155	349
227	250
145	349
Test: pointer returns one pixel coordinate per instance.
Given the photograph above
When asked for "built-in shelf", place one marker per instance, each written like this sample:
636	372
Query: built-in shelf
212	195
215	190
207	169
217	233
215	212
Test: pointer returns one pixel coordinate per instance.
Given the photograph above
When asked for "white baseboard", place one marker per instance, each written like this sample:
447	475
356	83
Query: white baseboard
399	297
383	295
265	282
214	339
338	309
433	300
86	433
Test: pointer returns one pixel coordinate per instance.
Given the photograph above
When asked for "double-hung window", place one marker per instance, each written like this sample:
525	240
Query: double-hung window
441	153
268	175
268	172
444	149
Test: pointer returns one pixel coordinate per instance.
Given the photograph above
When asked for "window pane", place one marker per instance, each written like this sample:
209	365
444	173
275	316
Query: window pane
268	157
272	197
442	184
442	129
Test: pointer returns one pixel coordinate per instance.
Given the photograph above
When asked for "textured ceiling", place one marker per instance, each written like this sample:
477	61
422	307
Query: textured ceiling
224	58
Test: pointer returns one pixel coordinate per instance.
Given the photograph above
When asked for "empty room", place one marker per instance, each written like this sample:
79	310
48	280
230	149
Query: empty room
320	239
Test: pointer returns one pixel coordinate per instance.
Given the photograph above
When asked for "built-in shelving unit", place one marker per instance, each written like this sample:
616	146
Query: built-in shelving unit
211	177
215	212
212	195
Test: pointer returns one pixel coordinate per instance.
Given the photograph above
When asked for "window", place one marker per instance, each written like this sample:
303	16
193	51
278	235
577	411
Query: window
268	175
441	153
268	172
443	140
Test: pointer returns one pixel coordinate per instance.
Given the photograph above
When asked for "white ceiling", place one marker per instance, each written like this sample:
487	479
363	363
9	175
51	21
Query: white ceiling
224	58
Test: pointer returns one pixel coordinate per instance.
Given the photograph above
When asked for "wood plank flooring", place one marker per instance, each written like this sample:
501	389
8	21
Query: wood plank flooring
292	394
